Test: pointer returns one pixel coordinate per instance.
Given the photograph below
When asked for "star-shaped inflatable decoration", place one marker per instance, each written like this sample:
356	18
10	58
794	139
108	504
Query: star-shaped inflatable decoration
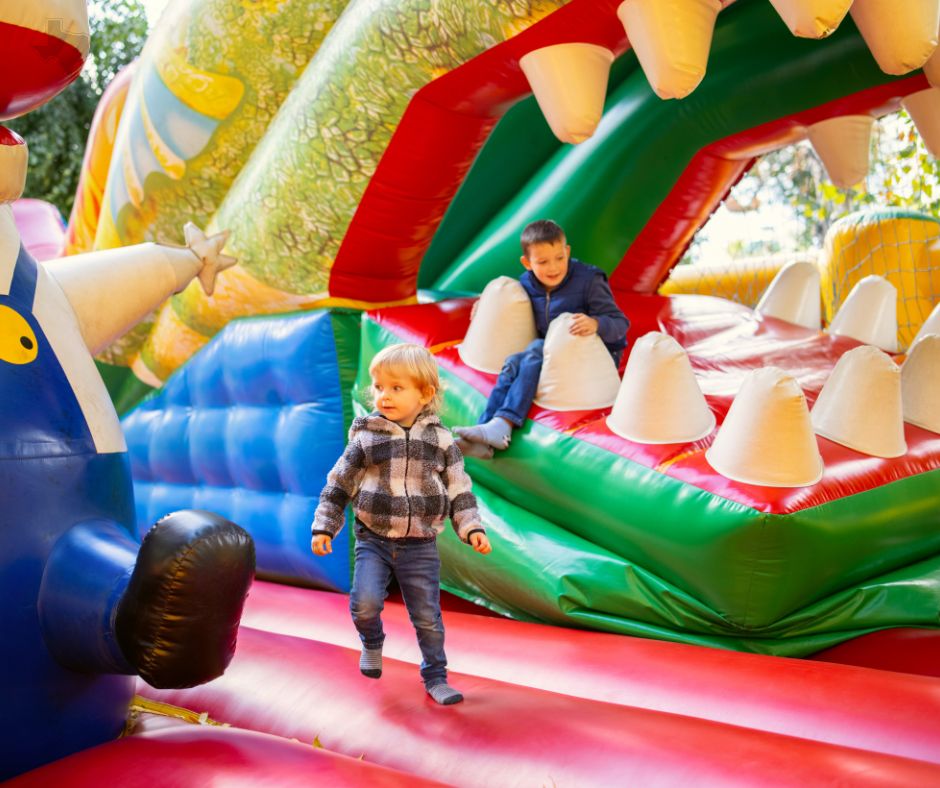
209	250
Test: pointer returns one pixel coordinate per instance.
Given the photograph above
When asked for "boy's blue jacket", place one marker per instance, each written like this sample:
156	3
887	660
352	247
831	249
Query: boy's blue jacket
585	290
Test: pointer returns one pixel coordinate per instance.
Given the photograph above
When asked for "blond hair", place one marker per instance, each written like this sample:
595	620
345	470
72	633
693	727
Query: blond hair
414	361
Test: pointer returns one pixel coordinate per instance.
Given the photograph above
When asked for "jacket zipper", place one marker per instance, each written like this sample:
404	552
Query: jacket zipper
407	459
548	303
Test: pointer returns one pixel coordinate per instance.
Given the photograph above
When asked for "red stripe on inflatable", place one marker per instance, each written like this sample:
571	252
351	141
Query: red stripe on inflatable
43	65
440	134
195	756
724	341
506	734
715	169
870	710
903	650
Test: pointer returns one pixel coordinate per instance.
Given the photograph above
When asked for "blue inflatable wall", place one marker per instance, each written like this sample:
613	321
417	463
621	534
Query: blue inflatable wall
249	429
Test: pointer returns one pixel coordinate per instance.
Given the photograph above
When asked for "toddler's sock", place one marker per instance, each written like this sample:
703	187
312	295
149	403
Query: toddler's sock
496	432
370	662
482	451
444	694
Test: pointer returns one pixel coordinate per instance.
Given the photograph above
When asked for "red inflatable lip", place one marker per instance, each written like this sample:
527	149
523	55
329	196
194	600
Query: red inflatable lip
36	66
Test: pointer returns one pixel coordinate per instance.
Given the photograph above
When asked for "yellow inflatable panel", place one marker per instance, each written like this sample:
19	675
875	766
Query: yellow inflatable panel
898	245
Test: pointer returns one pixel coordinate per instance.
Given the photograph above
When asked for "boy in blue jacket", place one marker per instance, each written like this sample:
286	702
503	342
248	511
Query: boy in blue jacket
555	283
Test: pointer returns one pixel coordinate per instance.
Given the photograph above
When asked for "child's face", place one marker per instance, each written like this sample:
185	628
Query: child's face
548	262
398	397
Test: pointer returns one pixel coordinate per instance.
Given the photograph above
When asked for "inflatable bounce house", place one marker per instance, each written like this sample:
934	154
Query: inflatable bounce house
717	564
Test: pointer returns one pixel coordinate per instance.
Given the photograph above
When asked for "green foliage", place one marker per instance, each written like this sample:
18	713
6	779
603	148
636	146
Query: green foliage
57	132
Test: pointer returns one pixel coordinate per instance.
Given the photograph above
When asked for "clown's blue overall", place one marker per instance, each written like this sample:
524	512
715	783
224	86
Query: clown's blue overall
80	611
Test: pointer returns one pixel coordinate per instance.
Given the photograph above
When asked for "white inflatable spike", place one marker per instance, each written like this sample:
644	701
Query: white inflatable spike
671	39
659	400
932	69
869	314
860	404
114	289
930	326
812	18
503	324
920	382
901	34
843	145
569	82
924	109
794	295
767	437
578	373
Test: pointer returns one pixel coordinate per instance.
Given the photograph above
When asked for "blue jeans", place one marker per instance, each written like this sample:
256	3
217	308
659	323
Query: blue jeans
516	385
417	568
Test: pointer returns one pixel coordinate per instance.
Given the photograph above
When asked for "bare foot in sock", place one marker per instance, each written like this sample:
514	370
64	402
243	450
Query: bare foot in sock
496	432
482	451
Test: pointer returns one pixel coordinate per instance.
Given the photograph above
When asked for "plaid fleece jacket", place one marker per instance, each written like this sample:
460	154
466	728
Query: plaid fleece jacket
400	482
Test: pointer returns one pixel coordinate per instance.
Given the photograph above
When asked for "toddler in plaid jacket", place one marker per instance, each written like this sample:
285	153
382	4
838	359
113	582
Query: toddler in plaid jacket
404	476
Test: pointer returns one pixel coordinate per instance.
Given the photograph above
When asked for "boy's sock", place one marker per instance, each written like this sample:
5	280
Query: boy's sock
444	694
496	432
482	451
370	662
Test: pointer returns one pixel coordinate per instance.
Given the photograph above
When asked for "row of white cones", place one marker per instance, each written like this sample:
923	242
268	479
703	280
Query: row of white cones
868	314
768	436
672	38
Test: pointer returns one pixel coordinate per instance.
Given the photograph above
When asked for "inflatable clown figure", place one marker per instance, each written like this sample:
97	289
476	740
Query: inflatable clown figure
83	606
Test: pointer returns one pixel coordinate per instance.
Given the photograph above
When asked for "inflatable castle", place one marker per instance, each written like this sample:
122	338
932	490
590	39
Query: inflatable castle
718	563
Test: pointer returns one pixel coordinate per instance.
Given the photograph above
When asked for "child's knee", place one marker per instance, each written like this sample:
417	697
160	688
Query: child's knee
365	607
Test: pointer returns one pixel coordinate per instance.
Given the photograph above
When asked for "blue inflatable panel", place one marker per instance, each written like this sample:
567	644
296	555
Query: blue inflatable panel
249	429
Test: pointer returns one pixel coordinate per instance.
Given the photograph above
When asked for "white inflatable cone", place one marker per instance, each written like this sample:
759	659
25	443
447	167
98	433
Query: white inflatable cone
930	326
659	400
920	383
843	144
503	325
671	39
932	69
578	373
860	405
794	295
901	34
924	109
569	82
767	437
812	18
869	314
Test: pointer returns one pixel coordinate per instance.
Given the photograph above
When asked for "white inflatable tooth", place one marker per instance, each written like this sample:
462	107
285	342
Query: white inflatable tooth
569	82
502	325
843	144
671	39
869	314
794	295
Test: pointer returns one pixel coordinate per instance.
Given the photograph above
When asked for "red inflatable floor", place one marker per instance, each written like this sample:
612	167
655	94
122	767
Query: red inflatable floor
552	706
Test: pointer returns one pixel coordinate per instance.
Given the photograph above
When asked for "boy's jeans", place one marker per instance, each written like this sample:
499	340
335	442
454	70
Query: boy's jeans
516	385
417	568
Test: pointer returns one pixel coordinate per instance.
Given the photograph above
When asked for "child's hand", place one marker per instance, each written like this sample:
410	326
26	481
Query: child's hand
582	325
480	543
321	544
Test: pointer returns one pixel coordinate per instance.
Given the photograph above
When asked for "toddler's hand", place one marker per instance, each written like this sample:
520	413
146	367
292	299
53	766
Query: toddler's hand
480	543
582	325
321	544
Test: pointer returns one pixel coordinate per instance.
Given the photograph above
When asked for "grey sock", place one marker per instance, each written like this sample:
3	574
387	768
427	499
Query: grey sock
370	662
482	451
444	694
496	432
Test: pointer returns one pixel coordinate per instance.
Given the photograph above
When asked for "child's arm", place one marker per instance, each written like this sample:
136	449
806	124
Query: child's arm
342	484
612	324
463	504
